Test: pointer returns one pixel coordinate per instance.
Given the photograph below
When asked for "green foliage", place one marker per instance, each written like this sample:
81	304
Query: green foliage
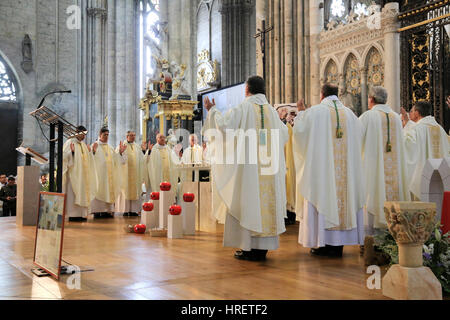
436	254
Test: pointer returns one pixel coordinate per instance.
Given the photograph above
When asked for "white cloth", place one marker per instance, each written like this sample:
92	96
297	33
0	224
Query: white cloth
105	198
154	166
73	210
419	148
238	183
237	237
375	158
192	155
79	168
313	232
132	178
315	162
409	125
124	206
101	206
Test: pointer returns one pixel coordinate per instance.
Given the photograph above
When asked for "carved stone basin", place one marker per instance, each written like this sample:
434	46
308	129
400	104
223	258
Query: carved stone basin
411	224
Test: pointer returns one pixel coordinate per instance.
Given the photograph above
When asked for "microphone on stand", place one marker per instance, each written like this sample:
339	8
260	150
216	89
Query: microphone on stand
53	92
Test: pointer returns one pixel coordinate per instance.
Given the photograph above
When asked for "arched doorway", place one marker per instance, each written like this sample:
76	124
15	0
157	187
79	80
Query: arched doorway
9	119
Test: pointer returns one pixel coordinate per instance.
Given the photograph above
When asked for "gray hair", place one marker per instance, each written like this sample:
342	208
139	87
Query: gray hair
379	94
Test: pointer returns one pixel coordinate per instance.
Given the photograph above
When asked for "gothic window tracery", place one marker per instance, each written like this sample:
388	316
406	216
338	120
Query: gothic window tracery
7	88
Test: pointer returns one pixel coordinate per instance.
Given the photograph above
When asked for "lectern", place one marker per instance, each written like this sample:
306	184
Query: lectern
65	129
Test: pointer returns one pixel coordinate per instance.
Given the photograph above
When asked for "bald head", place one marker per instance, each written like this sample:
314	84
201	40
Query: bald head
161	139
193	140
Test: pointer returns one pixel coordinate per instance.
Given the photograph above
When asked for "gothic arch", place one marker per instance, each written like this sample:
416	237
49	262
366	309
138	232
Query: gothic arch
345	59
330	71
367	50
374	64
351	86
206	3
203	27
15	78
11	112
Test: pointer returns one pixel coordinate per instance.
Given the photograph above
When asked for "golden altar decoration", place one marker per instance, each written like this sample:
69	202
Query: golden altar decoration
174	110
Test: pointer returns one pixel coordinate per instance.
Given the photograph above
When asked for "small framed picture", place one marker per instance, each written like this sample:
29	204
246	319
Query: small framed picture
50	232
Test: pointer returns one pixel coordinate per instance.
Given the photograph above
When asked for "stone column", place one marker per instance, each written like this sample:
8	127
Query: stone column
392	54
164	17
224	11
130	61
188	51
306	49
364	90
245	41
260	16
270	54
300	50
316	26
288	54
95	68
277	53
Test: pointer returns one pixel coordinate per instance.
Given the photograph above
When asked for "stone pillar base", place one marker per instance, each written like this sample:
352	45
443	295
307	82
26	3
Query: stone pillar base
28	189
175	227
402	283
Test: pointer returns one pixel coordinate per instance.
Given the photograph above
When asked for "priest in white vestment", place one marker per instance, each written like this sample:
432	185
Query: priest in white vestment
384	162
290	177
79	176
194	153
330	190
108	164
219	209
191	155
251	181
160	165
129	200
424	139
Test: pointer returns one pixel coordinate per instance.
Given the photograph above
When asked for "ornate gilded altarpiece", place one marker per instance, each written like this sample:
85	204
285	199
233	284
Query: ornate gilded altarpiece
425	55
161	115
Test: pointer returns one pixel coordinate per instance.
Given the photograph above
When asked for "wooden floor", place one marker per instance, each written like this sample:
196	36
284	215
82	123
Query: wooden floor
131	266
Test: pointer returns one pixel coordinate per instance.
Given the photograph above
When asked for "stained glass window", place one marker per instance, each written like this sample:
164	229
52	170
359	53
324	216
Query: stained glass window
150	39
361	9
7	88
337	8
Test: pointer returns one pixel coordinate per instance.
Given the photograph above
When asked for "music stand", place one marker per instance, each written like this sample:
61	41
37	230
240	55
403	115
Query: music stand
65	129
31	154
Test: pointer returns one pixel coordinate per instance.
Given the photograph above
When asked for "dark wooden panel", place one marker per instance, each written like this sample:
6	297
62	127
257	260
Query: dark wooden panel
8	137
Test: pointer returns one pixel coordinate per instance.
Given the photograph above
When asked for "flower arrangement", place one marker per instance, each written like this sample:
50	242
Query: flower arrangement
436	254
